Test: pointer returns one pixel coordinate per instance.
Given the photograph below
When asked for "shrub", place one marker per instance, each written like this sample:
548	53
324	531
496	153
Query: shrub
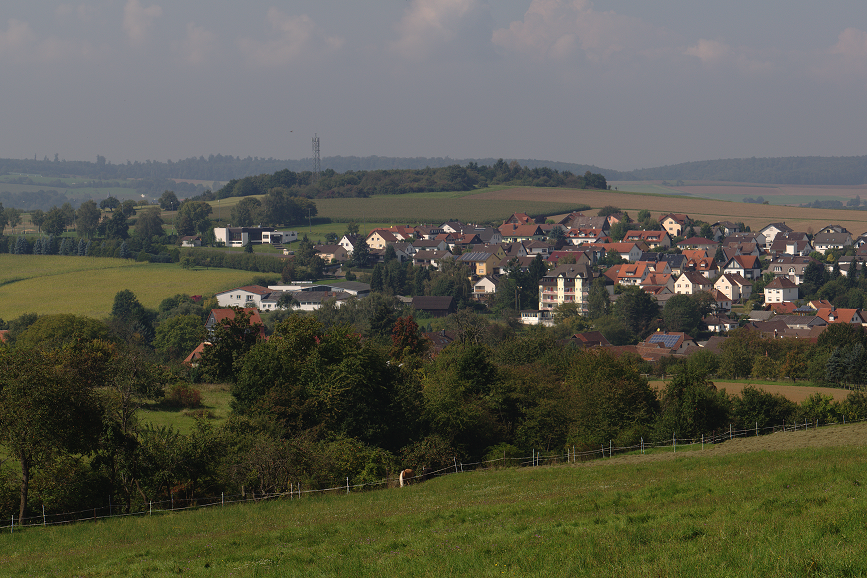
183	395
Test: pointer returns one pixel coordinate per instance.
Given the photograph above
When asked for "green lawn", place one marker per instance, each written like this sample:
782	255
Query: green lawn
793	512
87	285
215	402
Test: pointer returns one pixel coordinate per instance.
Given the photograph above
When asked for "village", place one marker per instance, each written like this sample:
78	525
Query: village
742	278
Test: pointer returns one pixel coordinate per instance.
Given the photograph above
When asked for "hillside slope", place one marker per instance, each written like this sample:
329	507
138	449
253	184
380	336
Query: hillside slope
789	504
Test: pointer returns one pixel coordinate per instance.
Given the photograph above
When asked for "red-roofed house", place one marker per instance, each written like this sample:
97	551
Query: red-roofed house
513	232
653	239
747	266
834	315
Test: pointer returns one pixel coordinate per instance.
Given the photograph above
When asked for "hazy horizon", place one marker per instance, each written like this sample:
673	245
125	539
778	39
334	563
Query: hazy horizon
616	84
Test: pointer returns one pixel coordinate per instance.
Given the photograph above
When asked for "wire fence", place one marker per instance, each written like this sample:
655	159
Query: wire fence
297	491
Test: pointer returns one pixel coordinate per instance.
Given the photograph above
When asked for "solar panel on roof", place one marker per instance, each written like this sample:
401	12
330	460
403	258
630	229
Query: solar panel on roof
668	341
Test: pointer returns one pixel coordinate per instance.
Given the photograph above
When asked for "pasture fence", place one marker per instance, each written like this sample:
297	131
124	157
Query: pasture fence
296	491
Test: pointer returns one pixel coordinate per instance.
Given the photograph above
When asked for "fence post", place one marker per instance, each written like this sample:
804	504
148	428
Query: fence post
456	463
43	515
757	429
573	454
347	485
150	508
222	499
702	441
730	432
642	444
674	442
12	527
610	445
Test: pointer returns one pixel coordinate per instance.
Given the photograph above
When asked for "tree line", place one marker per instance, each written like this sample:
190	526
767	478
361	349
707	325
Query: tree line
403	181
352	391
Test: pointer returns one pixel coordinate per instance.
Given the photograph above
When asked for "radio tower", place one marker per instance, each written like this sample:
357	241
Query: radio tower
317	167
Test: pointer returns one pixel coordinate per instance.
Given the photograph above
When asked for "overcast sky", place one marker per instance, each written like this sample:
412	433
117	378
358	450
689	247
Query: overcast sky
621	84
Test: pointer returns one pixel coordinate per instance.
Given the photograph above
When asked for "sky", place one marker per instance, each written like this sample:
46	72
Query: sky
621	84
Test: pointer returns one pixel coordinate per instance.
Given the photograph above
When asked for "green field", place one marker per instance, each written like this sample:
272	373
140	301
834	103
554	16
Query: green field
215	401
87	285
741	508
431	208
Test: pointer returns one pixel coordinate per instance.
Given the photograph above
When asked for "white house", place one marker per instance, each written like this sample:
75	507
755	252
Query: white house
780	290
249	296
240	236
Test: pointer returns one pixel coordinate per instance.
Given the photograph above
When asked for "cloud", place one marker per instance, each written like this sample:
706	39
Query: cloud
84	12
428	26
563	30
845	61
852	43
296	37
17	36
716	53
709	51
19	43
137	20
198	44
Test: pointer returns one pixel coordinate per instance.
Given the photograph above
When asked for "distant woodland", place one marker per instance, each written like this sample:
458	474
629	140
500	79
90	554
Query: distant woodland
785	170
402	181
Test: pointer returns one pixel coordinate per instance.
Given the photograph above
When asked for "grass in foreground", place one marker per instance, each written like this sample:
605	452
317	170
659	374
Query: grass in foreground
799	512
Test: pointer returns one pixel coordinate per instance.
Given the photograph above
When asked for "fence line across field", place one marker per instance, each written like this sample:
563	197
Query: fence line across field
296	491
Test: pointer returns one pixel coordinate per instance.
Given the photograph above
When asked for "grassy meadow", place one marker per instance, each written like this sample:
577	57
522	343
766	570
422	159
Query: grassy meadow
787	504
87	285
215	406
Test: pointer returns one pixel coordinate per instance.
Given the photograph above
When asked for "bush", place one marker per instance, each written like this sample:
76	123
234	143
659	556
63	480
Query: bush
183	395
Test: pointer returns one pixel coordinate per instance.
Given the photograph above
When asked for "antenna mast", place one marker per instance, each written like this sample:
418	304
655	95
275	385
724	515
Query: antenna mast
317	167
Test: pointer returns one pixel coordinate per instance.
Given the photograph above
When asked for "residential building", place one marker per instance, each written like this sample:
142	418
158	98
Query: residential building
675	223
691	282
240	236
779	290
565	284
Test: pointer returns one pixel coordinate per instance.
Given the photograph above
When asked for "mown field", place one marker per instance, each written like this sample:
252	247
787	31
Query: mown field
497	203
796	393
736	192
439	207
756	216
87	285
787	504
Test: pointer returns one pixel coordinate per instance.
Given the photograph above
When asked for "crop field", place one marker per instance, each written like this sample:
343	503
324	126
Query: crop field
736	192
787	504
87	285
754	215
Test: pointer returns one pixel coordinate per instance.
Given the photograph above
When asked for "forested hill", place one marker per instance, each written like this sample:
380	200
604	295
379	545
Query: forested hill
226	168
782	171
786	170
